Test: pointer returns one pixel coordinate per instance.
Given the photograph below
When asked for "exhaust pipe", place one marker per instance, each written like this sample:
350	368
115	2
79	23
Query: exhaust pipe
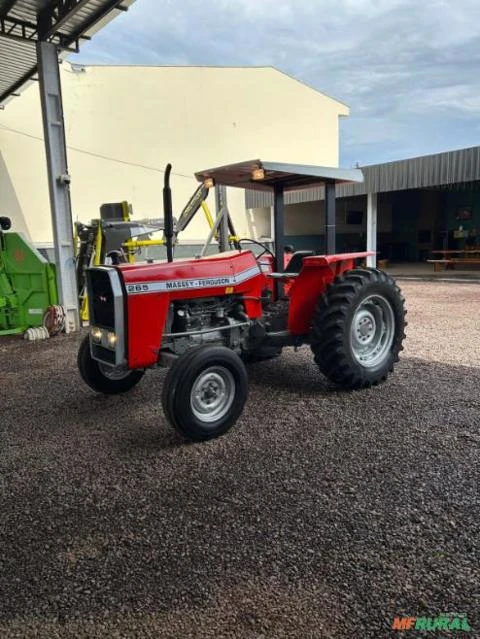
168	212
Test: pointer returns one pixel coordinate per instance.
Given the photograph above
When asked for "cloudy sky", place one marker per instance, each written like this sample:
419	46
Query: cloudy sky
408	69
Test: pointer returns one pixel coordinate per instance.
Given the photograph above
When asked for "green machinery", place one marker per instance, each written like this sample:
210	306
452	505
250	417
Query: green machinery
27	283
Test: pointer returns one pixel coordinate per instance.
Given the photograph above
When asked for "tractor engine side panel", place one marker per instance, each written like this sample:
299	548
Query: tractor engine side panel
146	318
151	288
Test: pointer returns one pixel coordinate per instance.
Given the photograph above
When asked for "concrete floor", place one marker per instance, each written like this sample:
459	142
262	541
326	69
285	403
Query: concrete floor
423	270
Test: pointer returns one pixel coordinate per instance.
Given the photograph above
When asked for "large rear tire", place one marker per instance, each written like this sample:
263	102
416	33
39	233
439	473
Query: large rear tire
103	378
204	392
358	328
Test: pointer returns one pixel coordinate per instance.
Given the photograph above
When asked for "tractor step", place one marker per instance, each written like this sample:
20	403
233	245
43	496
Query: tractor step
284	338
276	314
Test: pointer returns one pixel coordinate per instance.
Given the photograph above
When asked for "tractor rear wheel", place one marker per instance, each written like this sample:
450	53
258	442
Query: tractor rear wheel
103	378
204	392
358	328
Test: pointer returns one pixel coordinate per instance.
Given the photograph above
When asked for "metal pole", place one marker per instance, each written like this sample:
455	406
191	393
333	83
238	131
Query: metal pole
220	204
218	222
278	226
372	228
330	221
278	233
58	180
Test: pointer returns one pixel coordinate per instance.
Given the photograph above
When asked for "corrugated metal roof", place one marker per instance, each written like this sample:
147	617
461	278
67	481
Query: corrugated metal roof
438	170
64	22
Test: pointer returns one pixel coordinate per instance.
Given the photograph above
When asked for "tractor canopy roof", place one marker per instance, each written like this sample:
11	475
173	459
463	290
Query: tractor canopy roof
263	176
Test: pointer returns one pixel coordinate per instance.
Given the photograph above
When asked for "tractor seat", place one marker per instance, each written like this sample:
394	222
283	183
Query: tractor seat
293	267
296	262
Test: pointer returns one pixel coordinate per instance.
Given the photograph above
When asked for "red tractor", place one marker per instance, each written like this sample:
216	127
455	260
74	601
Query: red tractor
205	316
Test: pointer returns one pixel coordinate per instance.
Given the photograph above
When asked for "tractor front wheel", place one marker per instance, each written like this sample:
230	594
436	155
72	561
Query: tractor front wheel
204	392
103	378
358	328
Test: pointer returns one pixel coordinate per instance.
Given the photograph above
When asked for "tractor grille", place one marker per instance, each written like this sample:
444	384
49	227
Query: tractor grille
103	354
101	299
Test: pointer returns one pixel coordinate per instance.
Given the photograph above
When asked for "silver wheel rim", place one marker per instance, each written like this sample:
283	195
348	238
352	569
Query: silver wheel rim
115	373
212	394
373	330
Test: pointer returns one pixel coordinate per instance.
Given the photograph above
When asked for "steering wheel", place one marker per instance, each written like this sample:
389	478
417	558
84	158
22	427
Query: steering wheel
265	249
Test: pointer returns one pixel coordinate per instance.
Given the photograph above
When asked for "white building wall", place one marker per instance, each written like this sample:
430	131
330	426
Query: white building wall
123	125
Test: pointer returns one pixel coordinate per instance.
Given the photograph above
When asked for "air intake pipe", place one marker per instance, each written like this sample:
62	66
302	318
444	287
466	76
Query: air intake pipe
168	213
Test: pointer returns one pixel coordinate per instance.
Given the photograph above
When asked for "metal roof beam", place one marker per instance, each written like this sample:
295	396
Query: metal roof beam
51	20
63	23
22	31
18	84
58	13
16	29
92	20
7	8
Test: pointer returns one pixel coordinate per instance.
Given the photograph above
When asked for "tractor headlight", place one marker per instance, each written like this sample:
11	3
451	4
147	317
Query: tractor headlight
111	339
96	334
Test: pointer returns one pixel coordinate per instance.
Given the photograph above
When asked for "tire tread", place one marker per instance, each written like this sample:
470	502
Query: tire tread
329	322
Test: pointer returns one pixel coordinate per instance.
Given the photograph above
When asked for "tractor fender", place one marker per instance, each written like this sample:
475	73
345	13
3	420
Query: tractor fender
318	271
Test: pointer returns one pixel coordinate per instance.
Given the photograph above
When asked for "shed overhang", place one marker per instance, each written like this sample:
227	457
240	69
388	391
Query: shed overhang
65	23
260	175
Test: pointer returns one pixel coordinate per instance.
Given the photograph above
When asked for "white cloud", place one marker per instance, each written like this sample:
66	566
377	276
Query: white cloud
461	100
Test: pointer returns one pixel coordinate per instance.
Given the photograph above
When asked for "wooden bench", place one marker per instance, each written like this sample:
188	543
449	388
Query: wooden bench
466	261
450	263
437	264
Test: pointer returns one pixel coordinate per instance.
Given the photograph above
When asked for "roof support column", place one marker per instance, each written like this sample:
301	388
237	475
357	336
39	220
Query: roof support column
372	228
330	218
279	226
278	234
220	204
58	180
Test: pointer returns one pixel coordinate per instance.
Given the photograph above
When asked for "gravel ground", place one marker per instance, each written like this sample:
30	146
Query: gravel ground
321	514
